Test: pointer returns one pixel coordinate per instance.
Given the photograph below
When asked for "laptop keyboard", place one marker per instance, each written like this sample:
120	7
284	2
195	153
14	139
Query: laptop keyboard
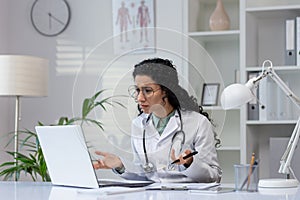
109	183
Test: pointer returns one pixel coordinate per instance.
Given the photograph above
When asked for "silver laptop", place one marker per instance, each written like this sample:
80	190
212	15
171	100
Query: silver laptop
68	159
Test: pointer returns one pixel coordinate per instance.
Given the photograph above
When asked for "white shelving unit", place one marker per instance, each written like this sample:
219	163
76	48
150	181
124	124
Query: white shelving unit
262	38
257	33
222	66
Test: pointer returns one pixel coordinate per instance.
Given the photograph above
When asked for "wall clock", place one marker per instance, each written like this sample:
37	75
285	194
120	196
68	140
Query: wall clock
50	17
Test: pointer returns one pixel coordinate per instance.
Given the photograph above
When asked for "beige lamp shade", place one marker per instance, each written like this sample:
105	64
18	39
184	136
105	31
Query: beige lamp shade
23	76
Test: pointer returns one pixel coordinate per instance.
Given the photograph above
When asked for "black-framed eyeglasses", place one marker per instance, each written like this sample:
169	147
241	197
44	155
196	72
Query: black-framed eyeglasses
147	91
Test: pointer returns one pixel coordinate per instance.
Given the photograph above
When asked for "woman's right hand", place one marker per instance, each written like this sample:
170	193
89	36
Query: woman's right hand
186	162
109	161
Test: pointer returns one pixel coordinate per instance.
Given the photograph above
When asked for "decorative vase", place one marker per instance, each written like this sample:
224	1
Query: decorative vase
219	19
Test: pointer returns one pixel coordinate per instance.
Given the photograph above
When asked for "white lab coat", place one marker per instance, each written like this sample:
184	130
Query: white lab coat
199	137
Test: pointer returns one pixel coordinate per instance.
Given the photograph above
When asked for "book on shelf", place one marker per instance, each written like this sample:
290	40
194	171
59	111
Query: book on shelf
298	41
272	100
263	97
284	105
290	42
253	106
274	104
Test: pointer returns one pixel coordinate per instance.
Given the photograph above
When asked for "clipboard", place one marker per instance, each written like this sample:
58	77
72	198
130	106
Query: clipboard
213	190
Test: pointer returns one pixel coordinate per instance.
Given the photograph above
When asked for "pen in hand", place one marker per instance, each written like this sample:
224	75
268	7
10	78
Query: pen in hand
185	157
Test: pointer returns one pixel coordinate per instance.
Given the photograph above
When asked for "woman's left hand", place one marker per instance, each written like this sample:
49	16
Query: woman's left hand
186	162
108	161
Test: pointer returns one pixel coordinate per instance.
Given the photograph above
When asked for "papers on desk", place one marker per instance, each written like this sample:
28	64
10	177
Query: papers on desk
165	176
181	186
193	188
213	190
154	186
110	190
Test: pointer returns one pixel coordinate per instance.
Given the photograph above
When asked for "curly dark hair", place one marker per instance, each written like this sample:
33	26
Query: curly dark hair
164	73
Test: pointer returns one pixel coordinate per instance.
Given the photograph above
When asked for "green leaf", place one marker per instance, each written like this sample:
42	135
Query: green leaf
62	120
73	120
40	123
89	104
97	123
7	164
86	107
97	94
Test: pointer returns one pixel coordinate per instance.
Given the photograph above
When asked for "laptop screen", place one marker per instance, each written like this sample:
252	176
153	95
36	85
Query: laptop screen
67	156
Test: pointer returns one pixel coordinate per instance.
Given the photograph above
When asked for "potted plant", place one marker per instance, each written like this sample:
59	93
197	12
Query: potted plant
33	162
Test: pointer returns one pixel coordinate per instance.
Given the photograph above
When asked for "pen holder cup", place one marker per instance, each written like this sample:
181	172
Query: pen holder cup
246	178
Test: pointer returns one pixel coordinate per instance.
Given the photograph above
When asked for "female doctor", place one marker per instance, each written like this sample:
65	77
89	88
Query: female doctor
170	126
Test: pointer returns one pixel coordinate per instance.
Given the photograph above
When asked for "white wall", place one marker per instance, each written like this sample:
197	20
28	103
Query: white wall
5	115
90	27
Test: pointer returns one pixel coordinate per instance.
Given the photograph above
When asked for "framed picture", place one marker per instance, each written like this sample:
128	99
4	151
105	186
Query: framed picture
133	26
210	94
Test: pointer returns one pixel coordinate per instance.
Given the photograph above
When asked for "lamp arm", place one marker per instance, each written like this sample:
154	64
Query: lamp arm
285	161
289	93
286	158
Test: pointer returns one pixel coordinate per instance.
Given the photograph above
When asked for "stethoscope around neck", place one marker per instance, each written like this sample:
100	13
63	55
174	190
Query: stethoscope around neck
148	167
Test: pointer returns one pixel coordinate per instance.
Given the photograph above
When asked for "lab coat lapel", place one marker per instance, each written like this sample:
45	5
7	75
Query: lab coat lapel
151	132
172	126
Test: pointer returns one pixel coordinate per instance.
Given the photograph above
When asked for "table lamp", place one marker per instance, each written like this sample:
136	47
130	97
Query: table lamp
22	76
236	95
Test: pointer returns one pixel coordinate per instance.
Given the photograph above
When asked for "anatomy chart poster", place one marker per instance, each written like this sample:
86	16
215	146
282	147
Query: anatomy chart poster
133	26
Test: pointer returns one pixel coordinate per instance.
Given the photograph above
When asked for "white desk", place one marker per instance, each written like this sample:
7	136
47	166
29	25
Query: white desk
40	191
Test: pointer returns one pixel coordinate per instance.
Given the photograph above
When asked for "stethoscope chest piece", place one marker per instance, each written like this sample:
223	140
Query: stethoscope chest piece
148	167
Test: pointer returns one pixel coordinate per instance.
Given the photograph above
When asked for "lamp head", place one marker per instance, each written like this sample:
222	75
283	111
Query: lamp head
236	95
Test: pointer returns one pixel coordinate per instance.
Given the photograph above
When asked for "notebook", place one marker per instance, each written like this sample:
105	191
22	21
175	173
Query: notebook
68	159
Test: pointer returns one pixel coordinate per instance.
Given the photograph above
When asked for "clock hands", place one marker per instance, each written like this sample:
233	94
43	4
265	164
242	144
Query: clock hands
50	21
55	18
